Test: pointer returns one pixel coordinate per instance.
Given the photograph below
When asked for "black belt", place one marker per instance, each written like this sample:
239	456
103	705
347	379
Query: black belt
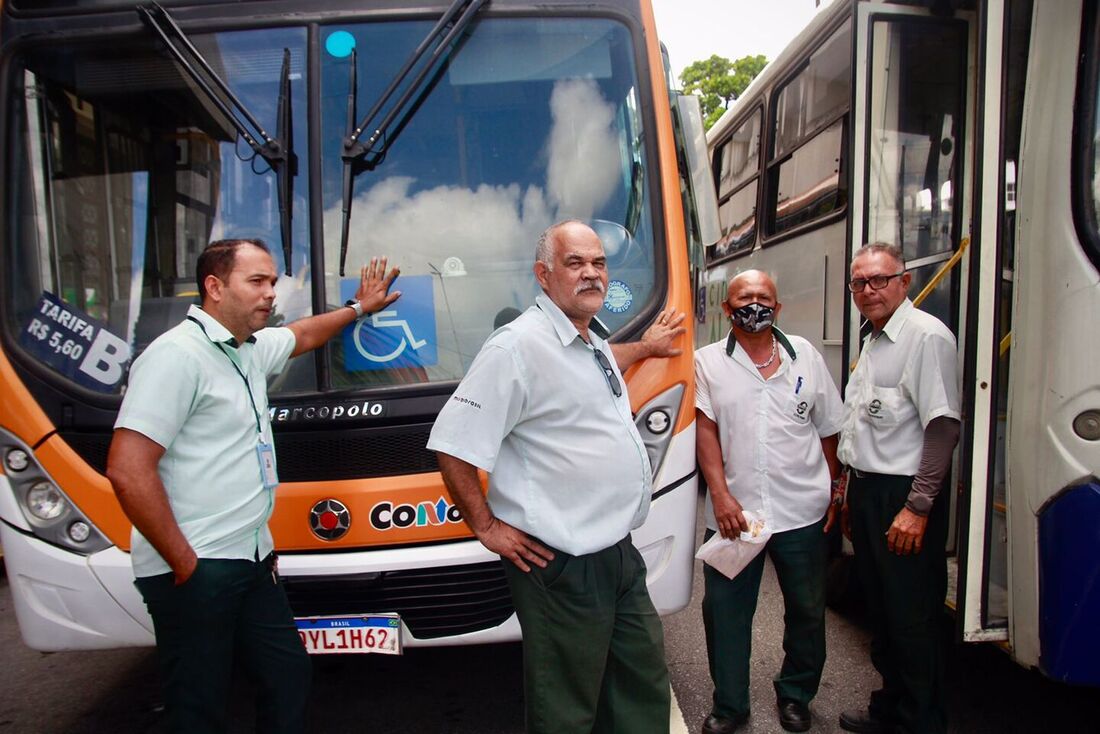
872	475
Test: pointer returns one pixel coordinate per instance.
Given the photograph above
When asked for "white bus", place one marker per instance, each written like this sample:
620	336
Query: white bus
966	134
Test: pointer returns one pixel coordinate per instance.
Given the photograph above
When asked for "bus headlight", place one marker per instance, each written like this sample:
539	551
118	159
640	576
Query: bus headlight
45	501
658	421
17	460
80	531
655	421
49	514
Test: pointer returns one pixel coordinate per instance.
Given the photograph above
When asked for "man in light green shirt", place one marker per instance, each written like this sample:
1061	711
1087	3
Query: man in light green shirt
192	463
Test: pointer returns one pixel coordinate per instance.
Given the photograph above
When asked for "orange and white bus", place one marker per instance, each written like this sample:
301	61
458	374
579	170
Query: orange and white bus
444	136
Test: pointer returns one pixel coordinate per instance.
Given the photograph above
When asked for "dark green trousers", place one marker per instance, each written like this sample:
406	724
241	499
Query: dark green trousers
799	558
593	645
228	609
905	596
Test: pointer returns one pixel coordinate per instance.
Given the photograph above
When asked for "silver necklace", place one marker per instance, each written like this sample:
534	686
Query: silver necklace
768	362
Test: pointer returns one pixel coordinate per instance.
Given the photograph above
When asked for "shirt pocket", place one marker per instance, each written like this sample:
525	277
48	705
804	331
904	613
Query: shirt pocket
888	406
799	407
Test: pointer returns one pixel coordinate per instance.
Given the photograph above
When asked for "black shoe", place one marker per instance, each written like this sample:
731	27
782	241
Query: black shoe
715	724
793	715
862	721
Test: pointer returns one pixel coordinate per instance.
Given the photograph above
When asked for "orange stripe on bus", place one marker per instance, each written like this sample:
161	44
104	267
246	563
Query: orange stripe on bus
654	376
19	412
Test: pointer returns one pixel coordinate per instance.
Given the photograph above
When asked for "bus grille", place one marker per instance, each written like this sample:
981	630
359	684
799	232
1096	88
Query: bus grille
432	602
316	456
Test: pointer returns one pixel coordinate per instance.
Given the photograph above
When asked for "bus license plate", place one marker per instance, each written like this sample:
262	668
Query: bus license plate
377	633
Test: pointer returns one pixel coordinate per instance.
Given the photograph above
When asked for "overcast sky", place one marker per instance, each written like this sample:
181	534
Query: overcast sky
695	29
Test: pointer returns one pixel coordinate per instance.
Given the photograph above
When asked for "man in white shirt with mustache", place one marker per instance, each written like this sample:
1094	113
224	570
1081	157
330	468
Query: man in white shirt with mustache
544	410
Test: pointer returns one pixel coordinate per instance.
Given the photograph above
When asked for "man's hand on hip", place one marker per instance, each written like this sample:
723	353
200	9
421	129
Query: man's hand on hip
906	533
515	545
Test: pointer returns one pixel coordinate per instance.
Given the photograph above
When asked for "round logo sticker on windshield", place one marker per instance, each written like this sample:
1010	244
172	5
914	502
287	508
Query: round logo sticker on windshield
619	297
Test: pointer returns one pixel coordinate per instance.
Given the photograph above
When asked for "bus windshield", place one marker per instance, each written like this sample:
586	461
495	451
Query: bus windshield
121	170
532	121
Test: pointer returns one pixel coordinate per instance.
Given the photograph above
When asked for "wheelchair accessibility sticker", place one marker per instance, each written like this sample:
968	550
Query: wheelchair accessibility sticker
401	335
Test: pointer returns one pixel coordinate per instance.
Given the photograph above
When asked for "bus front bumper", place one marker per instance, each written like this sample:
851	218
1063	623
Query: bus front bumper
67	601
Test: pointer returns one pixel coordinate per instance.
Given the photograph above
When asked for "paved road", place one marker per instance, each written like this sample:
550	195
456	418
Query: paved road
479	690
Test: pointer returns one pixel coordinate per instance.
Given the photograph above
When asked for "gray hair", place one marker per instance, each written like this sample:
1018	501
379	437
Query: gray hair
544	250
884	247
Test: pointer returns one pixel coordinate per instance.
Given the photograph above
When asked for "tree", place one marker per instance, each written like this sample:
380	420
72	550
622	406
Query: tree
719	81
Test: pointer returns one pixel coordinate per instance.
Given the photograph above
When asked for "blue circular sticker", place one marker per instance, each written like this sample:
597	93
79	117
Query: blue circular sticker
340	44
619	297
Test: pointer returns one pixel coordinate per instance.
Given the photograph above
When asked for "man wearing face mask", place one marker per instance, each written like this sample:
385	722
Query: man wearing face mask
767	419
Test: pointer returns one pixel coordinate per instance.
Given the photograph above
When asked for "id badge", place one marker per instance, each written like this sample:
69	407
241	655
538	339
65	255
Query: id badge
266	455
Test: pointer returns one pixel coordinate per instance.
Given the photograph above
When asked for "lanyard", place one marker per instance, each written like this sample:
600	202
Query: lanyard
247	386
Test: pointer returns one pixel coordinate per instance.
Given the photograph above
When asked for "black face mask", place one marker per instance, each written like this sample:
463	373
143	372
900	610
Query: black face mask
753	317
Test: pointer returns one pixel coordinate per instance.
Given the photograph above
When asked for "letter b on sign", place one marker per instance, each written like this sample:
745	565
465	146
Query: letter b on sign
106	358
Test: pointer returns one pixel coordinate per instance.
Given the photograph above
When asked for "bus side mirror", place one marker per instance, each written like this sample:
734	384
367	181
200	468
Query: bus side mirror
699	172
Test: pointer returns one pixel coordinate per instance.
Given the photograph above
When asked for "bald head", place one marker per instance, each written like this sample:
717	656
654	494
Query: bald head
754	284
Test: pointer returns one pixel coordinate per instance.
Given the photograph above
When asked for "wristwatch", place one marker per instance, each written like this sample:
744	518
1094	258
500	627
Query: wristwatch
355	306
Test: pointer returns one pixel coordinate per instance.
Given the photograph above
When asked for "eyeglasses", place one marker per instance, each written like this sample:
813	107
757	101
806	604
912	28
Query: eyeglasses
877	282
609	373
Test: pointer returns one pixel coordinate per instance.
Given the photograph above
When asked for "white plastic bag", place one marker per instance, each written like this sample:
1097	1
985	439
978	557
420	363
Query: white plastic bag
729	557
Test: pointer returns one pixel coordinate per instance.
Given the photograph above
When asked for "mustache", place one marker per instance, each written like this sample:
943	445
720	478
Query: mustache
592	284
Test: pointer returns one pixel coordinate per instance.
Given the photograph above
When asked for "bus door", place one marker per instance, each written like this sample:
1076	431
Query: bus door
913	185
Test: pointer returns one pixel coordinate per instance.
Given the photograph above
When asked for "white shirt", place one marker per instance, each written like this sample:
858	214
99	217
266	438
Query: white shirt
771	430
906	376
185	394
535	410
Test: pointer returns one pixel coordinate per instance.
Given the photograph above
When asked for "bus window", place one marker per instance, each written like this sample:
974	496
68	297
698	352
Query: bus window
916	125
532	121
738	166
817	95
807	185
1087	130
740	155
124	173
805	172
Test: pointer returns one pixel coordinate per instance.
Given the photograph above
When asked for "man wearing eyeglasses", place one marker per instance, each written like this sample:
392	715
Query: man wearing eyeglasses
767	418
900	429
544	411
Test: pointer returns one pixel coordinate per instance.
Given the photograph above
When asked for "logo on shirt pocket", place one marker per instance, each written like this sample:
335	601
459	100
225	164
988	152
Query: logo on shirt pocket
888	407
799	408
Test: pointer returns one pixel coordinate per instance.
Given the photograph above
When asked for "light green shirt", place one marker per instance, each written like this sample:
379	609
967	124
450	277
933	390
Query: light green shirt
186	394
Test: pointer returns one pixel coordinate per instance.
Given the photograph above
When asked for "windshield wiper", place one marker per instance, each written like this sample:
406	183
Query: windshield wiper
278	152
288	168
361	156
